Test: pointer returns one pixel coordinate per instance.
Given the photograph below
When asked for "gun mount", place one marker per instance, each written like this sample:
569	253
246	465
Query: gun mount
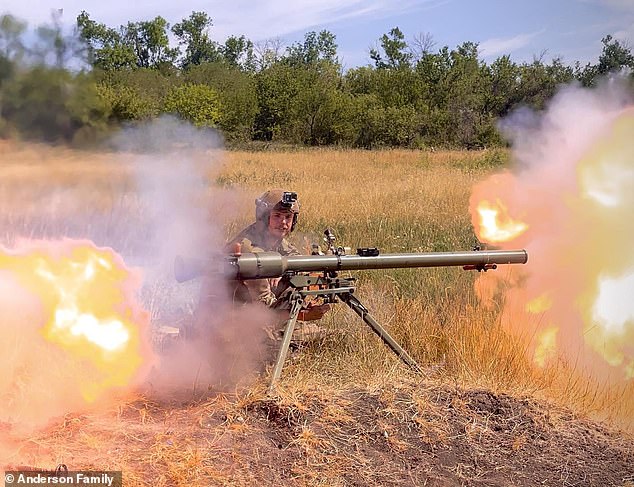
299	274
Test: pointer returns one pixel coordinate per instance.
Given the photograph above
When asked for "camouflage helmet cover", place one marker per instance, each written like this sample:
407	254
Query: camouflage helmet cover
276	199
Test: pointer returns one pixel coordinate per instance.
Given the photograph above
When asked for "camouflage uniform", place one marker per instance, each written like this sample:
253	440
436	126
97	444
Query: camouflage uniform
252	239
271	292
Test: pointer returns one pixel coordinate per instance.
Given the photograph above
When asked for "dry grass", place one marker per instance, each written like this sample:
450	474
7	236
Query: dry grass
399	201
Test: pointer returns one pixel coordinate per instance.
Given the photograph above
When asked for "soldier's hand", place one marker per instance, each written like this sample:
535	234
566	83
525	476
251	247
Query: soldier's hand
314	312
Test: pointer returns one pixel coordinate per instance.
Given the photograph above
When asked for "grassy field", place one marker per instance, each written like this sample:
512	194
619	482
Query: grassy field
399	201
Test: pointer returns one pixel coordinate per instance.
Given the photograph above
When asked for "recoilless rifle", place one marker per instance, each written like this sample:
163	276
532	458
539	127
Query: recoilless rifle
318	276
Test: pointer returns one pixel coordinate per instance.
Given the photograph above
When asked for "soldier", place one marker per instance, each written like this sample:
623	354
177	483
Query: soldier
276	213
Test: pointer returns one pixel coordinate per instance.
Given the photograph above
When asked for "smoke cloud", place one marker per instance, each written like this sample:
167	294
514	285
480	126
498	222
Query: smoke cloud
184	214
572	188
150	199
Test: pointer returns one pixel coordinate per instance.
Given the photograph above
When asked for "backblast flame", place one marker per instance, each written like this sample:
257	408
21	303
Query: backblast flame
73	326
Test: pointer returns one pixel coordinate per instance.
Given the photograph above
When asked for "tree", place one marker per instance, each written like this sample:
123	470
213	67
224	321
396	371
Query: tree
421	44
433	72
267	52
150	43
614	57
137	44
238	52
106	48
505	86
467	87
315	107
192	32
316	48
395	54
237	94
276	87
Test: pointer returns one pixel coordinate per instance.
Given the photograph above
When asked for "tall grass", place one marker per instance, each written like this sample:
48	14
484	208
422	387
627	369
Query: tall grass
399	201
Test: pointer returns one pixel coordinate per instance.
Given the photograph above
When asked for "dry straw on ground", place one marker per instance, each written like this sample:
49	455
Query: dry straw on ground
399	201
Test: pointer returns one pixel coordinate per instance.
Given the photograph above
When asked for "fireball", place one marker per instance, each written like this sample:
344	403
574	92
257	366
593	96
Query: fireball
74	330
572	208
495	223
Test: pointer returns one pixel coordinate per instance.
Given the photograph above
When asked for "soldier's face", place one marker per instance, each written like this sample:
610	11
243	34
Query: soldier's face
280	223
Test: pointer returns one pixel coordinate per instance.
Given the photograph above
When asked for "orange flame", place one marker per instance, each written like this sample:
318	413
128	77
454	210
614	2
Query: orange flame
496	210
576	203
75	306
495	224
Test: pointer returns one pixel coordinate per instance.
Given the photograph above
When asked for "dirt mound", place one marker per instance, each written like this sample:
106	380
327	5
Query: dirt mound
441	437
415	434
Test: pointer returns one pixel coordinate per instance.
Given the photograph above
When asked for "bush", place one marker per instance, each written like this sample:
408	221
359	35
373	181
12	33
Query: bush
52	104
197	103
237	95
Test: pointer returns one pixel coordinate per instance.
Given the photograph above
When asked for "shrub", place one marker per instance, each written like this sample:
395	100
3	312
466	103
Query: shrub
197	103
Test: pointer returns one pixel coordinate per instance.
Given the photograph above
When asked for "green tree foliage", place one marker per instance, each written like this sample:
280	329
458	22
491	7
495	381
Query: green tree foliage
197	103
395	53
150	43
614	57
388	126
316	48
539	81
504	82
106	48
316	107
135	94
237	92
276	87
238	53
396	88
299	97
142	44
467	84
411	96
192	33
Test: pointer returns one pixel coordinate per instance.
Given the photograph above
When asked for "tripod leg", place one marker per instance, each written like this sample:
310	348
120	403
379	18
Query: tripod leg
382	333
296	307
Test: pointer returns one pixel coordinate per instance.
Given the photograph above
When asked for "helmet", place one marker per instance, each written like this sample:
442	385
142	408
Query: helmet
276	199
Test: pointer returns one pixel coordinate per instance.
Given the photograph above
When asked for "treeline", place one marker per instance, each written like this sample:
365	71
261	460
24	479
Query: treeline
78	87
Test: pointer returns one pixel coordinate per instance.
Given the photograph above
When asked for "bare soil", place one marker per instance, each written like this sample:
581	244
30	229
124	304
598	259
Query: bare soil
412	434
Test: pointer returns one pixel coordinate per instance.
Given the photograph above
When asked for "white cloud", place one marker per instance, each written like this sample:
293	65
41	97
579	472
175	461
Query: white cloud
500	46
259	20
276	18
626	35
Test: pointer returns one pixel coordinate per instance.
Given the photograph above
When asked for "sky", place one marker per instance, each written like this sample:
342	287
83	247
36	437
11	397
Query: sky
524	29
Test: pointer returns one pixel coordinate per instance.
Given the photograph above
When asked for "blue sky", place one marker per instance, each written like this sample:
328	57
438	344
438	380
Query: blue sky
571	29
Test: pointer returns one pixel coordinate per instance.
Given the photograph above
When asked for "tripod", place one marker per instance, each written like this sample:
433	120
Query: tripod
332	289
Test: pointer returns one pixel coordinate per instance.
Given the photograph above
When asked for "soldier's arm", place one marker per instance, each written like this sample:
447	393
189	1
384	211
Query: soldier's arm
260	290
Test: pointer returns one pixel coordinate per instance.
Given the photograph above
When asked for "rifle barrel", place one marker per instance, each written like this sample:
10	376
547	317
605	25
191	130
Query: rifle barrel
272	264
